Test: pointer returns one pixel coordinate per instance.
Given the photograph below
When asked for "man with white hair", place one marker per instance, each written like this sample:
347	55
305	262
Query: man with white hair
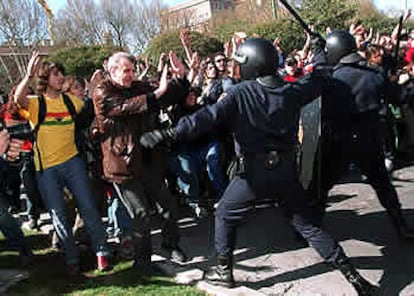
124	110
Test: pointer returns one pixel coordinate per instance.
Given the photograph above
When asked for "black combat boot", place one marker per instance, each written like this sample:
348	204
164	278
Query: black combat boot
222	273
361	285
400	224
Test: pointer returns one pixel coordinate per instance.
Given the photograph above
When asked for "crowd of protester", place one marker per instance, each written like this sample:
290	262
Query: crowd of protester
57	166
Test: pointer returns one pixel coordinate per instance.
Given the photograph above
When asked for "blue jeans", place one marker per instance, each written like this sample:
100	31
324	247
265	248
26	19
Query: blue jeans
10	227
73	175
186	165
119	218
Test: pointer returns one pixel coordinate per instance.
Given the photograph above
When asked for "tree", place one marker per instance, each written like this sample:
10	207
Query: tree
146	24
82	60
22	25
336	14
22	22
132	24
202	43
118	16
80	22
289	32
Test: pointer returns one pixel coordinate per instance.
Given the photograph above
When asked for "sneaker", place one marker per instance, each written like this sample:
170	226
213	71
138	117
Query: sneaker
32	224
110	232
103	263
173	254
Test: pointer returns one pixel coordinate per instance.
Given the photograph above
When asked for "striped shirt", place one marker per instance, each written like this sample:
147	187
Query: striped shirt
56	135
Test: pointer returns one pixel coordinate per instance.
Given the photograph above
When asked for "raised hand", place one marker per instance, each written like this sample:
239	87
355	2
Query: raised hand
161	62
195	61
407	15
34	64
185	37
356	29
177	67
163	85
227	49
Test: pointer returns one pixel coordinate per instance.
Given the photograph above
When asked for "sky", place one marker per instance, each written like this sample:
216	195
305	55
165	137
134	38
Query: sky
55	5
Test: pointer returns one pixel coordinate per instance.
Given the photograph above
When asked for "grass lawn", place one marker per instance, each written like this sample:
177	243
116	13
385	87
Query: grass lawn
47	275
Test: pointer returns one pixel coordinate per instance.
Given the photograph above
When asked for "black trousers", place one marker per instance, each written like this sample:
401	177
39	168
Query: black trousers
28	178
143	197
280	182
363	148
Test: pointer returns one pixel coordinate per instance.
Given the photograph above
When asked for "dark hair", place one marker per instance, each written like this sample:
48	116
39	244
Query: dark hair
70	80
12	107
371	50
43	75
290	61
196	90
220	54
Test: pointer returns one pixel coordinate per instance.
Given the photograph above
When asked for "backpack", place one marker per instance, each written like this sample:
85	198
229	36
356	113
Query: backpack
42	115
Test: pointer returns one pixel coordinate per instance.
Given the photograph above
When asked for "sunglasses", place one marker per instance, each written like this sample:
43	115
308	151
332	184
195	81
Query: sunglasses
220	60
291	64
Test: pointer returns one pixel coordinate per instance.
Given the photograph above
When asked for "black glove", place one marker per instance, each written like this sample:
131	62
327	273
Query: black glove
151	139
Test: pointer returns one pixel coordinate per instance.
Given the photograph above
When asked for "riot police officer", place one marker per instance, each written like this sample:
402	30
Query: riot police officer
262	113
351	122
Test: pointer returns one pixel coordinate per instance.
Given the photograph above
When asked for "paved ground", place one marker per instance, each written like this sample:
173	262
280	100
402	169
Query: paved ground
271	261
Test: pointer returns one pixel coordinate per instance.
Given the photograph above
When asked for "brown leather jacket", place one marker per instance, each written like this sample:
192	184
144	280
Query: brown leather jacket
122	115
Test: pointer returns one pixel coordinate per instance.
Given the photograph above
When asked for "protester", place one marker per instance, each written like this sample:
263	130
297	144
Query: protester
57	161
124	109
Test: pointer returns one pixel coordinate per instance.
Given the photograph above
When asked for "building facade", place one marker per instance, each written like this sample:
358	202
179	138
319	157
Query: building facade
197	15
194	14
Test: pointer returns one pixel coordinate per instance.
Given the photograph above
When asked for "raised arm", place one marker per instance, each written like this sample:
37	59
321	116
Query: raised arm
185	38
194	66
22	88
144	72
114	106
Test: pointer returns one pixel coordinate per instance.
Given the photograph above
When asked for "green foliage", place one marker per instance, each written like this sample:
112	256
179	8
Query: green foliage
289	32
202	43
82	60
329	13
380	23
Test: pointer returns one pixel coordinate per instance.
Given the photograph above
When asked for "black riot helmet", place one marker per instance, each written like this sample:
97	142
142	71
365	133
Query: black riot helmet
257	58
338	45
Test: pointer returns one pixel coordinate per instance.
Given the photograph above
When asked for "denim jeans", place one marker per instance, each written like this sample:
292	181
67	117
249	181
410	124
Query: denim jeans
186	165
10	227
73	175
119	218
